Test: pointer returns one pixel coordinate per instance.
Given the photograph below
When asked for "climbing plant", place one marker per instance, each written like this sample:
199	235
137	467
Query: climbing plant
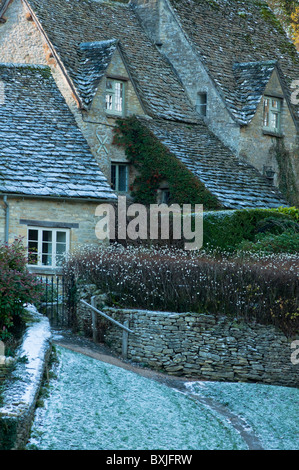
155	163
287	178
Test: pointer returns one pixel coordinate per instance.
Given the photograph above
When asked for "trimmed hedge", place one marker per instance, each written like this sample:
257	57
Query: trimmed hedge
228	230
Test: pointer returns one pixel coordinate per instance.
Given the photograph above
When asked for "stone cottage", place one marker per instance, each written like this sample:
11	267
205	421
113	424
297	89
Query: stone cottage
195	74
50	183
239	69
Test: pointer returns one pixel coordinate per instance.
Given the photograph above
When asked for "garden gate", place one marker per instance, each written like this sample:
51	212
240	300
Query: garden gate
56	302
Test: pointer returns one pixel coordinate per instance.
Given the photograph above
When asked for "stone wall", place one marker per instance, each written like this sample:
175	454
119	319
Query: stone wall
79	215
21	393
201	346
206	347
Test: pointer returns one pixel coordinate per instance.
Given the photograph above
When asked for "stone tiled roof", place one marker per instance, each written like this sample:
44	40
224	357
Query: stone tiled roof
236	184
68	24
42	151
94	59
251	79
224	32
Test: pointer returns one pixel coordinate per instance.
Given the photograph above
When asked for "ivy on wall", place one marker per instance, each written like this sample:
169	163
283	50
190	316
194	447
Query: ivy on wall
287	178
155	163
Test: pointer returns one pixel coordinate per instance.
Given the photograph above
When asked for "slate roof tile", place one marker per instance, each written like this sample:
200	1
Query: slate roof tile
70	25
226	32
46	153
94	58
236	184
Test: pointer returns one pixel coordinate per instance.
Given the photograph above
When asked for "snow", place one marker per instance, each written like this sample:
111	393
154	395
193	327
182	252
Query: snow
94	406
20	393
272	412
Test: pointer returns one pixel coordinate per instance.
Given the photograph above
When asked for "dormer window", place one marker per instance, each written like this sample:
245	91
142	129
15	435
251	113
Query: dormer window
272	114
114	96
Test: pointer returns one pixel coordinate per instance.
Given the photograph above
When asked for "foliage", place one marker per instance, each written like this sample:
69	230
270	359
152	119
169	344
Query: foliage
286	177
287	12
225	230
256	288
155	163
285	242
17	286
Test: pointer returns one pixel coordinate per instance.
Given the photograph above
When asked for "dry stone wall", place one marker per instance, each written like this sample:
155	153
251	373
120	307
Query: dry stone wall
204	346
201	346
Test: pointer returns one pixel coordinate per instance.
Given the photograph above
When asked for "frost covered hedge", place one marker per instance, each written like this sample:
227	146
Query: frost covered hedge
17	286
262	288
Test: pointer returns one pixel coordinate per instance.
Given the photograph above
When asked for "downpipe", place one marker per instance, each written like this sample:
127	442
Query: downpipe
6	234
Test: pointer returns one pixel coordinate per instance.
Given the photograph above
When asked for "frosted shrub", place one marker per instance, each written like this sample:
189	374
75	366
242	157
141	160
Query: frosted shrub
254	287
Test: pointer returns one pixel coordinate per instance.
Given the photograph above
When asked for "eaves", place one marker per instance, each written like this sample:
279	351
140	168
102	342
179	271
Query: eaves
58	198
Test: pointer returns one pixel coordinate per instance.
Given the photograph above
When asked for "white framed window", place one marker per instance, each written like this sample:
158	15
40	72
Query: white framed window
202	103
47	246
272	114
114	96
119	177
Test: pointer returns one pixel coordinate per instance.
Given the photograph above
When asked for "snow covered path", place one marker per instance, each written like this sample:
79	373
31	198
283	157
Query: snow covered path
95	405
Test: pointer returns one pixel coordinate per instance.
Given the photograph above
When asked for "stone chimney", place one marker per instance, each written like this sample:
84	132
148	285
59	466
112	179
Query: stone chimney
149	14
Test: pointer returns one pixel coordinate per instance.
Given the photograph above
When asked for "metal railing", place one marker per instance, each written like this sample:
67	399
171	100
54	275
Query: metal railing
125	326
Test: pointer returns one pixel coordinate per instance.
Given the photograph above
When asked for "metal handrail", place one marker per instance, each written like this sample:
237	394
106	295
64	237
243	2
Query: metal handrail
107	316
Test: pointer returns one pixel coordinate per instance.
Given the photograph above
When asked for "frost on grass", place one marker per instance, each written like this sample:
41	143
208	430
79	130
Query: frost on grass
271	411
94	406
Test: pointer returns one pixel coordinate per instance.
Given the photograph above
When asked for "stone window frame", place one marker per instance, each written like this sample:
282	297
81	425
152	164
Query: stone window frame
41	243
272	112
115	178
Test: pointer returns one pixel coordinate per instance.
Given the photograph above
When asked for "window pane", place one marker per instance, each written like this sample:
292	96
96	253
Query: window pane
33	234
122	178
109	102
47	236
32	251
61	237
32	258
266	113
47	248
60	248
274	121
59	260
46	260
118	96
109	85
202	103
